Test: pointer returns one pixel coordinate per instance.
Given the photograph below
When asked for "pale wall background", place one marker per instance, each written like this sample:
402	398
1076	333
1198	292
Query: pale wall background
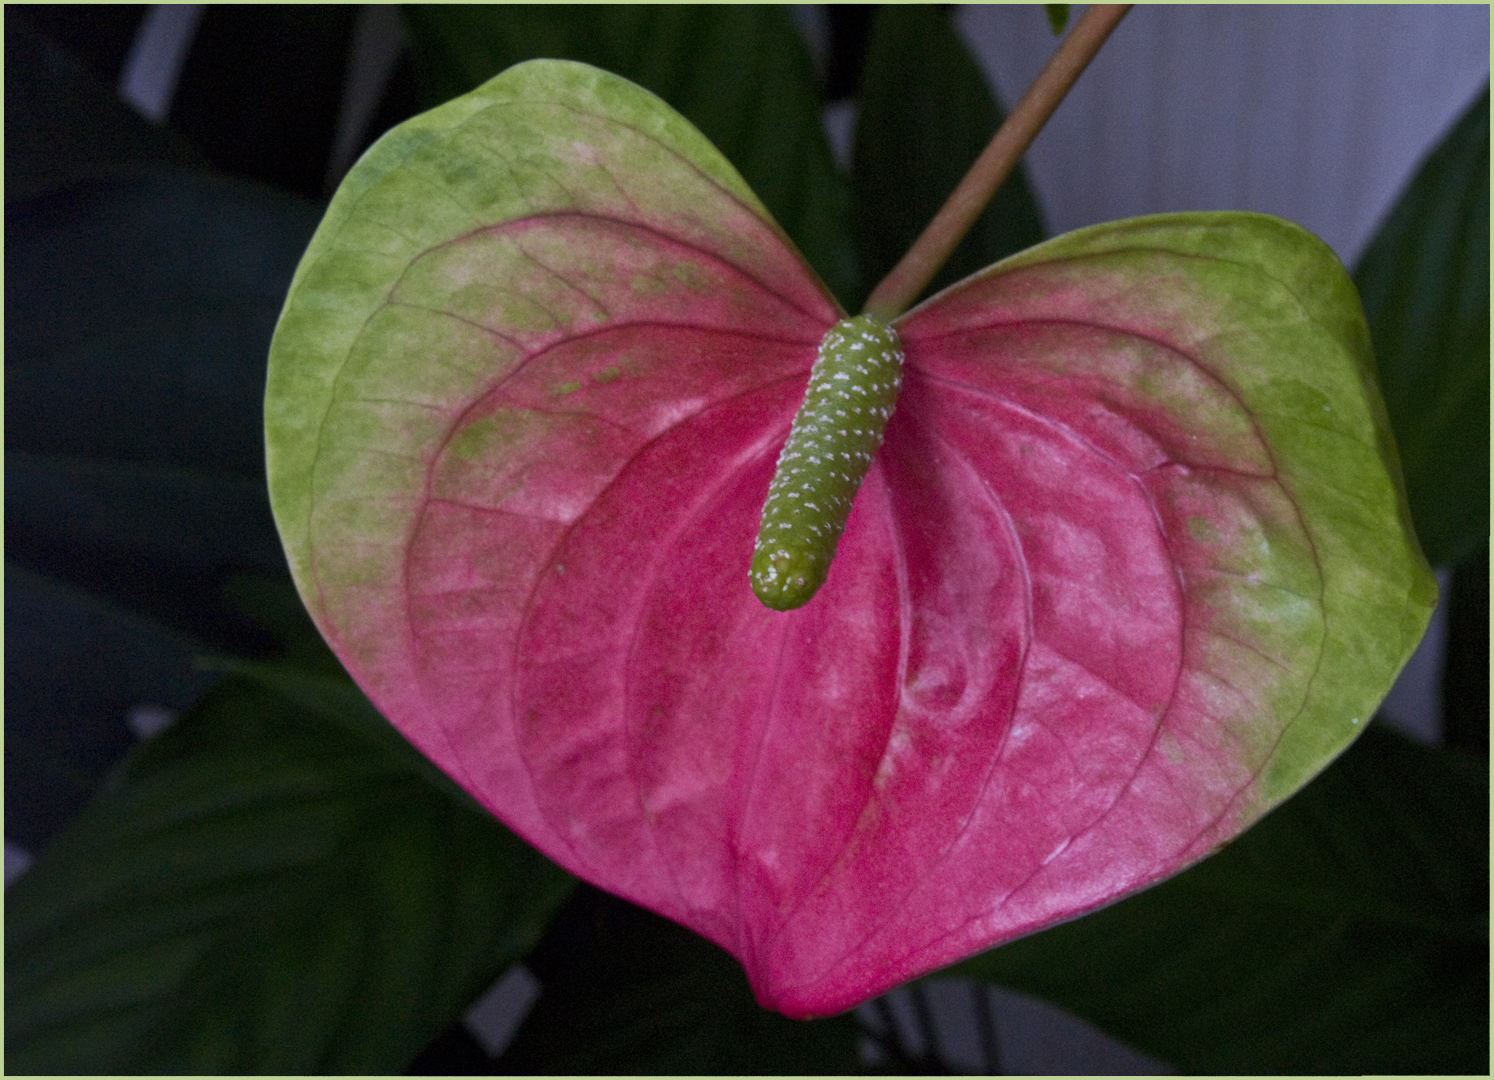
1315	113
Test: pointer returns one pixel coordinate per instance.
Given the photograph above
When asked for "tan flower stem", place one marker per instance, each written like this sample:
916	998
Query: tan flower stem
897	291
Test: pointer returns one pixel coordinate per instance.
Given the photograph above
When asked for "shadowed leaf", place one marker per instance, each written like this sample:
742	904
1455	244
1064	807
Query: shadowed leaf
1346	933
1425	285
255	892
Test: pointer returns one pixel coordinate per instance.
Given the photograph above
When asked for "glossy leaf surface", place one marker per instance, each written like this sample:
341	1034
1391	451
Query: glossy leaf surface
1346	933
1425	284
1132	565
258	892
139	307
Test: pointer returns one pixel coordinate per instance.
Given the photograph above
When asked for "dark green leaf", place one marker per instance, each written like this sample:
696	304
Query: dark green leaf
139	311
335	698
160	538
1058	17
1425	285
138	315
1346	933
75	664
262	88
258	892
1465	678
273	604
63	124
739	74
626	991
925	116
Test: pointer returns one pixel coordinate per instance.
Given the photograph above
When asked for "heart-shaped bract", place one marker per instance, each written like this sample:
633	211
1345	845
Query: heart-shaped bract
1132	565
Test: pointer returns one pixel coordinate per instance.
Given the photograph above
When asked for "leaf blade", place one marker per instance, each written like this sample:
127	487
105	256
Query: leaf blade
1425	284
243	896
1307	940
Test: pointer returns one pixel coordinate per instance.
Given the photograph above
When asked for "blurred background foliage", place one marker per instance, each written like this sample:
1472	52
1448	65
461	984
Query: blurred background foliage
278	883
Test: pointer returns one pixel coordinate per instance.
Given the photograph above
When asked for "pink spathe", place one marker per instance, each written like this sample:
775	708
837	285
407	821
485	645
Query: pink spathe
1132	556
954	743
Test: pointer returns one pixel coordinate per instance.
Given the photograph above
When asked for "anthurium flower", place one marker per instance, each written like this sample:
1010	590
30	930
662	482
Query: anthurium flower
1132	564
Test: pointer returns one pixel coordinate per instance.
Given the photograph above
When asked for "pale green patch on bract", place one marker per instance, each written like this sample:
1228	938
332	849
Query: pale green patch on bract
490	436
